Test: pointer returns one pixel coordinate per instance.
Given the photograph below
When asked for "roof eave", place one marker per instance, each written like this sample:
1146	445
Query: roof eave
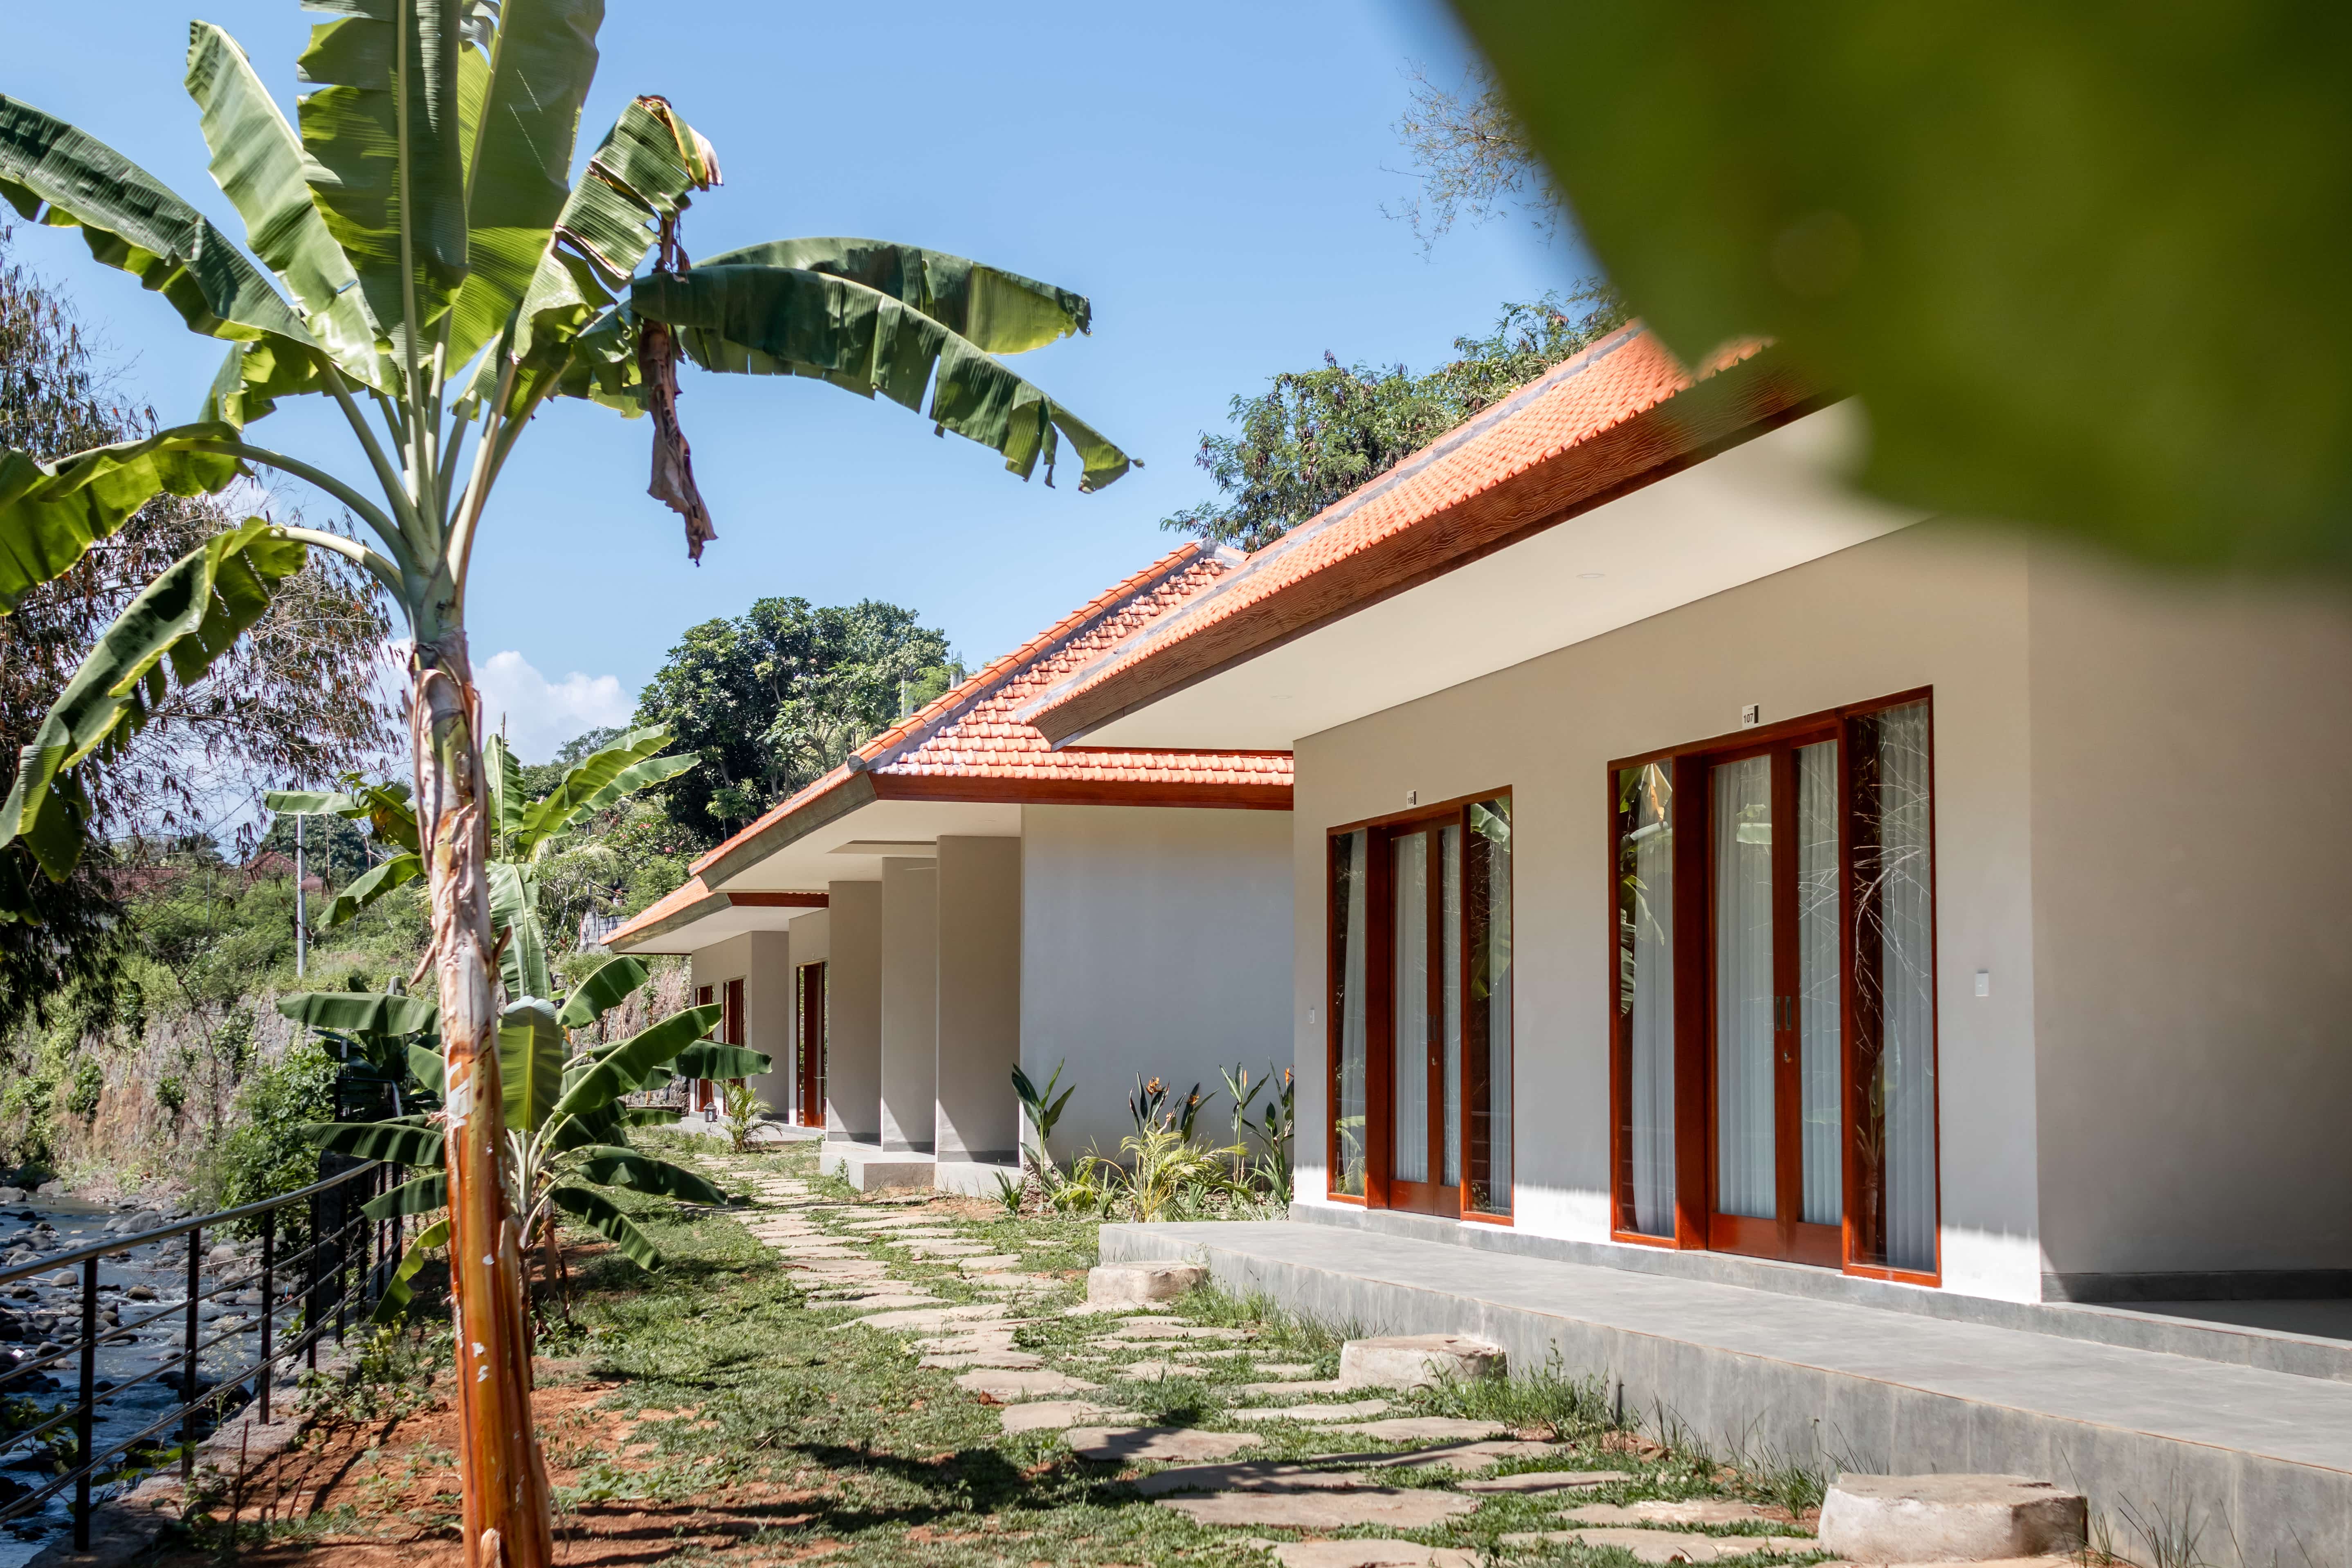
1723	410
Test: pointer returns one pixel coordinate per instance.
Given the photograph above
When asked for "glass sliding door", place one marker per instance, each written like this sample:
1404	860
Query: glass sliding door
1350	1033
1644	1021
1421	970
1487	1030
1894	964
1747	997
1774	993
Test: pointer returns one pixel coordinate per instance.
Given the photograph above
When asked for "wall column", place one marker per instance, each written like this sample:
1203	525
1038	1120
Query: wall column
768	1016
910	999
853	1067
979	998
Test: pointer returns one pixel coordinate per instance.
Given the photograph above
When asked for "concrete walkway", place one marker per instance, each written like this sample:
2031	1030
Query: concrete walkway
2261	1460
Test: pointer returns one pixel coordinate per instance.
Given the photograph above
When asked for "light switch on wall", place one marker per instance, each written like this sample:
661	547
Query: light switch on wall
1984	982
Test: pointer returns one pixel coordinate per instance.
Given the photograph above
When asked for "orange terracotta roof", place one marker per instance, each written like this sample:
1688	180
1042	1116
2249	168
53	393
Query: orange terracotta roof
696	901
1588	429
967	744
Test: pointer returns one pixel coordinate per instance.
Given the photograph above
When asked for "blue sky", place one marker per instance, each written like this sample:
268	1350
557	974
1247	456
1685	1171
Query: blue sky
1211	175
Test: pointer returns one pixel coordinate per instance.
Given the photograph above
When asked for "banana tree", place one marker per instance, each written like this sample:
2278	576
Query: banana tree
566	1127
372	1035
423	256
522	832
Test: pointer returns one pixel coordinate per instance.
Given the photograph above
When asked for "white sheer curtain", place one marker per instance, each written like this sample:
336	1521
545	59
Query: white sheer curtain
1646	890
1908	969
1744	1169
1354	921
1821	1032
1450	998
1410	1149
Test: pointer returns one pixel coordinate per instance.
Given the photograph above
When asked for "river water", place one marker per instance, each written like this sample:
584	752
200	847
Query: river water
43	1312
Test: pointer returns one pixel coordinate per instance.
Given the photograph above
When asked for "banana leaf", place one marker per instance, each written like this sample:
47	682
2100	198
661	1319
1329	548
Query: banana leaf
608	1166
602	1125
601	990
422	1195
589	786
427	1067
519	156
503	772
530	1062
52	512
404	1143
1000	311
258	164
514	906
372	884
623	1069
609	1222
362	1012
190	614
781	321
364	160
646	167
651	1115
132	220
719	1061
393	1304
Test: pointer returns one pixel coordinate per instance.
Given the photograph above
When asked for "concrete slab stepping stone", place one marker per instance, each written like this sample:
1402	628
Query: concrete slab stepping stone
1011	1360
1050	1415
1371	1555
1531	1483
1008	1385
932	1317
1159	1371
1417	1361
1350	1411
1424	1429
886	1301
990	1337
1691	1510
1166	1445
989	1260
1887	1519
945	1248
1115	1284
1285	1368
1019	1284
1668	1545
1100	1309
1417	1507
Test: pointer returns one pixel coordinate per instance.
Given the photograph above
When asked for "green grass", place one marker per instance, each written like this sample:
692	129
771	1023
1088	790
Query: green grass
729	1391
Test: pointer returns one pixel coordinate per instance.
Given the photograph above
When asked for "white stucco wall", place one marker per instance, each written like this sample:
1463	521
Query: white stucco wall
853	1062
762	960
1153	941
2191	745
910	1004
979	998
1927	607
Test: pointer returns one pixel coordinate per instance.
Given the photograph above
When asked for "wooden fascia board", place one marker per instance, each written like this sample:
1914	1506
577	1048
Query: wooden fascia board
738	855
1726	409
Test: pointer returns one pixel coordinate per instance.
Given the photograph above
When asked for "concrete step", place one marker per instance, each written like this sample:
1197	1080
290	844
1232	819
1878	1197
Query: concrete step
2263	1458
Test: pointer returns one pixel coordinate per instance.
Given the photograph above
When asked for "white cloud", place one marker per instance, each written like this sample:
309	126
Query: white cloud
540	714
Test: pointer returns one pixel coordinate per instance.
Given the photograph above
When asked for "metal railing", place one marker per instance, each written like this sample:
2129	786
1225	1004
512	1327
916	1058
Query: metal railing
341	1240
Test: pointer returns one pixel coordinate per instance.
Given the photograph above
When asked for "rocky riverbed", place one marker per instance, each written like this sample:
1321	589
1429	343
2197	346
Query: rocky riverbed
40	1315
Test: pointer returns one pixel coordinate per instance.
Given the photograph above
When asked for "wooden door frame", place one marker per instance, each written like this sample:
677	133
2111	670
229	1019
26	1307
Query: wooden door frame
1380	994
809	1026
1692	873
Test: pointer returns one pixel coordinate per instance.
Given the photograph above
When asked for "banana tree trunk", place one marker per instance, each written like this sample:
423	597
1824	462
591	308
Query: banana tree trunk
505	1485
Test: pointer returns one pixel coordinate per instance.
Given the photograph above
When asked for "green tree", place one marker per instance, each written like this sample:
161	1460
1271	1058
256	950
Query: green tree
778	694
1317	434
445	278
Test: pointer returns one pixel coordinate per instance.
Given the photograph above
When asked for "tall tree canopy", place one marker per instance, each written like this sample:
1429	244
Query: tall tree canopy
295	698
1316	435
775	697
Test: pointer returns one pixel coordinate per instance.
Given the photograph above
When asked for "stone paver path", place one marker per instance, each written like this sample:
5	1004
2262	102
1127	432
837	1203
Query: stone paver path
1167	1445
